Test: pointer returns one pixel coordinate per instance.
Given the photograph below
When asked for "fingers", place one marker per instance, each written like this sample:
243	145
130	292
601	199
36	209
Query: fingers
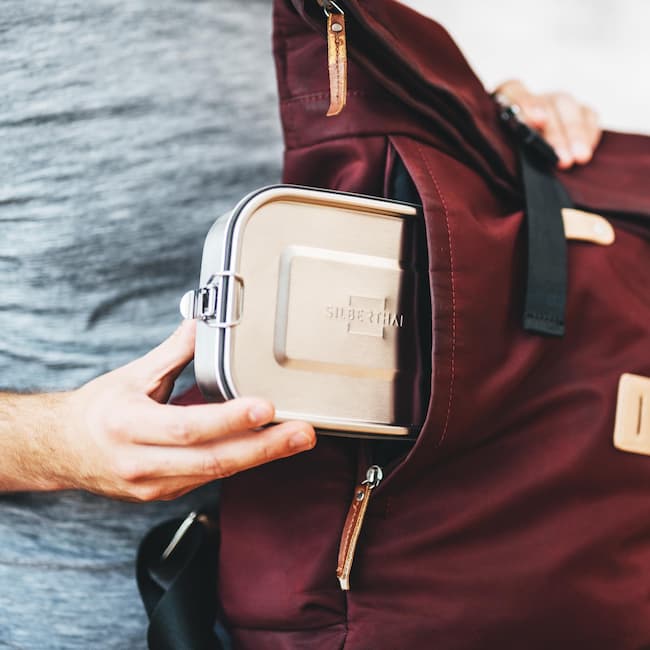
182	426
581	128
571	128
124	444
533	108
154	473
224	457
556	135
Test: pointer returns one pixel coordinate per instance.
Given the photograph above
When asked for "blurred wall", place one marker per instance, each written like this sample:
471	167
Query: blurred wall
597	49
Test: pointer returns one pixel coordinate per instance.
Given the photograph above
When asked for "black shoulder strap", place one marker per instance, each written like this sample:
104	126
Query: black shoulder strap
546	281
180	592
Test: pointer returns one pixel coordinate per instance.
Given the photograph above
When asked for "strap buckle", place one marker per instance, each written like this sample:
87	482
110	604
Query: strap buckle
179	534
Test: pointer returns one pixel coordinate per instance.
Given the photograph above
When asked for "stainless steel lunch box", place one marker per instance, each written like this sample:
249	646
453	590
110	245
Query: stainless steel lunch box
318	301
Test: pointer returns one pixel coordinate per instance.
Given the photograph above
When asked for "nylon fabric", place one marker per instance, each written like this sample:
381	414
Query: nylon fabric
512	522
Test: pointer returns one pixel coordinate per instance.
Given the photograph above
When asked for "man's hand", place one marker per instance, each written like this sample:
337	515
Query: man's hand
571	128
116	436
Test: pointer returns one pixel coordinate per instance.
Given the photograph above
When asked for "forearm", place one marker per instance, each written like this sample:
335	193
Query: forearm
116	435
31	427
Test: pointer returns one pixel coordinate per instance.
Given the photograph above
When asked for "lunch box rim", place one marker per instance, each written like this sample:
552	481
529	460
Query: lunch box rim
221	360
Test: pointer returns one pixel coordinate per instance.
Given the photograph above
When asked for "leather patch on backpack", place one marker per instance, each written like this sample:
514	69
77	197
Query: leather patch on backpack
632	426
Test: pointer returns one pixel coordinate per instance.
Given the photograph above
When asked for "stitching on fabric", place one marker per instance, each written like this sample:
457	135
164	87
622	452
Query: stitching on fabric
350	530
558	321
313	97
255	628
453	293
337	42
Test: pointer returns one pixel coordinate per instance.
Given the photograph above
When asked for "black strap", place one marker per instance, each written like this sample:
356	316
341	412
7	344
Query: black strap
546	282
180	593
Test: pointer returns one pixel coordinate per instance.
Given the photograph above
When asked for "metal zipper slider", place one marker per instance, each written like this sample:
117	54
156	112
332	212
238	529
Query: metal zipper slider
354	523
337	57
510	114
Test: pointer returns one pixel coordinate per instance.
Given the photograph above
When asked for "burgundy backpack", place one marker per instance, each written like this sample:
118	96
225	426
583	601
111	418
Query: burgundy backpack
513	521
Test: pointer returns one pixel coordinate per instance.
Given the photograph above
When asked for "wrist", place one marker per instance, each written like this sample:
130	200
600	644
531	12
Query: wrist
47	459
59	471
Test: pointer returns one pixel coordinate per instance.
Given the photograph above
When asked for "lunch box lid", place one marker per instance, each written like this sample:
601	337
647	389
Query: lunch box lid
310	298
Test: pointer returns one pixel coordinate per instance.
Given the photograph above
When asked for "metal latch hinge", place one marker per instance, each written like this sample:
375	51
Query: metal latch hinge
205	302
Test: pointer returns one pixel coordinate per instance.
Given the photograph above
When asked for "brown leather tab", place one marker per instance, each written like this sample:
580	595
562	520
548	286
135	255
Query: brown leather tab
586	226
350	536
632	426
337	62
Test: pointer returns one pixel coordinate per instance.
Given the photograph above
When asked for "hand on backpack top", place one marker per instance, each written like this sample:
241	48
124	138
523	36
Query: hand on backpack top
570	127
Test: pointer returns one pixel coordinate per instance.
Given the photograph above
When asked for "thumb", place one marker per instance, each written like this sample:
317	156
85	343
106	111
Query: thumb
167	359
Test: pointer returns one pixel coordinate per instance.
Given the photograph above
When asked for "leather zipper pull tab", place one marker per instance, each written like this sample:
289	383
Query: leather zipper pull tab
337	57
354	523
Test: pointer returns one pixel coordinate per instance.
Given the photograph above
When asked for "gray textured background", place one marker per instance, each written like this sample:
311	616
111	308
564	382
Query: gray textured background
126	127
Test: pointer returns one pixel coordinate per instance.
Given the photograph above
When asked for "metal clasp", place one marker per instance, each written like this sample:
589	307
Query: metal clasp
374	476
510	114
204	303
328	5
179	534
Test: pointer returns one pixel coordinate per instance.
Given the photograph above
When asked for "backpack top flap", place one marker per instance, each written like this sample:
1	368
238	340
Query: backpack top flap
413	60
409	58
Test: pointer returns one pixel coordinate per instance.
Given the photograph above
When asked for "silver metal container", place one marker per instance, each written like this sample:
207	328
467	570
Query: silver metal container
318	301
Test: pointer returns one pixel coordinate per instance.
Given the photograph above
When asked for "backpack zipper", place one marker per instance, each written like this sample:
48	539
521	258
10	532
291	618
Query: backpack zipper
449	113
354	523
337	56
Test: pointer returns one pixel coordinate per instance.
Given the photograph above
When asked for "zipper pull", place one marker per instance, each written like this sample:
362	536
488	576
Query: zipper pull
353	524
337	56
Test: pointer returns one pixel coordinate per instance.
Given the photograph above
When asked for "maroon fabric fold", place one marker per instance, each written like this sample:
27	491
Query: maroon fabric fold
459	116
464	120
